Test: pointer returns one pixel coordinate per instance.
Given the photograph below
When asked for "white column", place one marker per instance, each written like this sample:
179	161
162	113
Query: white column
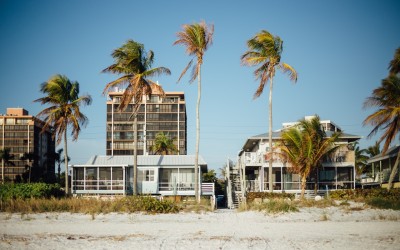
179	112
112	126
123	180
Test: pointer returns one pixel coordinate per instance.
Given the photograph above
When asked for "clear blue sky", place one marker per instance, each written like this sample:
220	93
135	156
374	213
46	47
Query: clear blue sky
341	50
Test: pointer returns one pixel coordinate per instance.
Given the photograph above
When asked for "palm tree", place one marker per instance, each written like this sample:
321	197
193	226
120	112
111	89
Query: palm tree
132	61
305	146
163	145
374	150
64	112
360	159
6	158
58	158
387	117
394	65
264	52
197	38
29	157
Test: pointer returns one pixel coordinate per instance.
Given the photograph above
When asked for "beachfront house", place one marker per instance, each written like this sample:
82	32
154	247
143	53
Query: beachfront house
337	171
164	175
379	168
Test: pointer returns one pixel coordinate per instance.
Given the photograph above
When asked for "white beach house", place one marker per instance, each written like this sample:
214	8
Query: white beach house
157	175
337	171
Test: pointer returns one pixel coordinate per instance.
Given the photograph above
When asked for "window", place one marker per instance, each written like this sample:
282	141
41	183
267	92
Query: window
146	175
10	121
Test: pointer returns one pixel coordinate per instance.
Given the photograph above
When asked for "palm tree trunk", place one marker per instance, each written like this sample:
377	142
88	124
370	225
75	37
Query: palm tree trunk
303	185
2	171
66	163
196	160
135	143
394	171
59	174
30	171
270	186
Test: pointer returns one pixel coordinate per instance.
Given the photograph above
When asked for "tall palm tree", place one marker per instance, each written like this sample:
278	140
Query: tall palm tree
197	38
163	145
305	146
6	158
64	112
264	52
387	117
134	64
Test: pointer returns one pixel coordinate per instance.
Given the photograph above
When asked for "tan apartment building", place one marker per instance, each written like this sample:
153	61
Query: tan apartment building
21	133
156	114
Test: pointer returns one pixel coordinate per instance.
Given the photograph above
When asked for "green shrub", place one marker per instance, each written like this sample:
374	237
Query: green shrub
383	203
363	194
29	190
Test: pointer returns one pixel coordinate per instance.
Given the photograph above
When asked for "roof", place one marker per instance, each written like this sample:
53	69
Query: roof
252	141
391	152
145	160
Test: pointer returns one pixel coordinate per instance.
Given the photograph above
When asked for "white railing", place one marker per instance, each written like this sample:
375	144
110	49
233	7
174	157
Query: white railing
97	184
171	186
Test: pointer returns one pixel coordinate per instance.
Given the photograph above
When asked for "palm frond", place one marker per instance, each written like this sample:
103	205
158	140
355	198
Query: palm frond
185	69
289	70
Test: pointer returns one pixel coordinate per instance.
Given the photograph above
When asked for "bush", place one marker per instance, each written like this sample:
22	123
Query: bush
276	205
383	203
29	190
267	195
377	197
88	206
363	194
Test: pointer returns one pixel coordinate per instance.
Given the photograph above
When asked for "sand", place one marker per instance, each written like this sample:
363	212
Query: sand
311	228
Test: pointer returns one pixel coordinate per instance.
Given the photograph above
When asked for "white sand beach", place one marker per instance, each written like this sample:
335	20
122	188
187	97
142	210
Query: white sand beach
311	228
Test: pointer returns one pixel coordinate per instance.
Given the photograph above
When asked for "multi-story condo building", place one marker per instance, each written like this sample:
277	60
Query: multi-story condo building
337	170
156	114
22	134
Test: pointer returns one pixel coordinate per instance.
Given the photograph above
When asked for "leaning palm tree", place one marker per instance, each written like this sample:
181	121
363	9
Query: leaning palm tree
197	38
163	145
64	112
387	117
6	158
305	146
134	64
264	52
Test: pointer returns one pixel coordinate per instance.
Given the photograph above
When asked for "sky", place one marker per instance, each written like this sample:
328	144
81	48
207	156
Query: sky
340	49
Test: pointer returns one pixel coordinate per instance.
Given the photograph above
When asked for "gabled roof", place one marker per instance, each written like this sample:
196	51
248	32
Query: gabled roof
145	160
391	152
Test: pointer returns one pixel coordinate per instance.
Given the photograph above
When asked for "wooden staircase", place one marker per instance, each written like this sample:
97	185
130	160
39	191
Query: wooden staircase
237	191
